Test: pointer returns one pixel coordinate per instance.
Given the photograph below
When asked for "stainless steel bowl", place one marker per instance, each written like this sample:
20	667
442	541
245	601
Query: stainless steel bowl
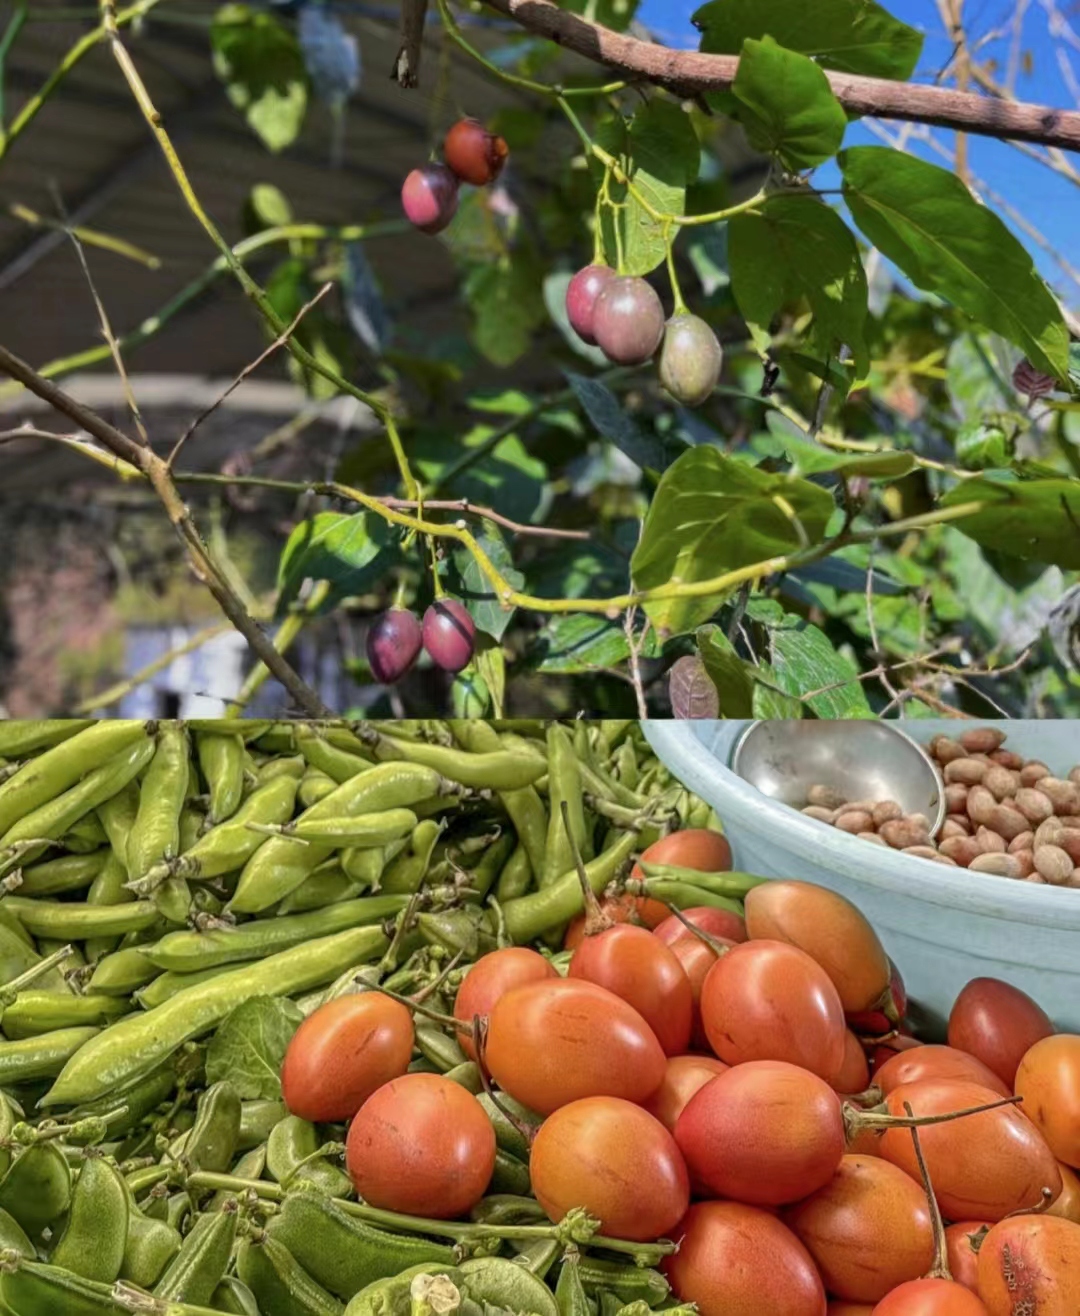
863	760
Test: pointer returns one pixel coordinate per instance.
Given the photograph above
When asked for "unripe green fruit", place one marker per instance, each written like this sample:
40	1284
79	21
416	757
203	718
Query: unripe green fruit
690	360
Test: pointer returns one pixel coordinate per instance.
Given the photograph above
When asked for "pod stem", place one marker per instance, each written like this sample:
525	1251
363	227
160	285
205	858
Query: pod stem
447	1021
714	944
29	976
433	986
596	921
940	1268
856	1120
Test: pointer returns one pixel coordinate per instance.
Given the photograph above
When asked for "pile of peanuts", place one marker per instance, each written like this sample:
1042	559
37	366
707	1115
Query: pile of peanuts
1006	815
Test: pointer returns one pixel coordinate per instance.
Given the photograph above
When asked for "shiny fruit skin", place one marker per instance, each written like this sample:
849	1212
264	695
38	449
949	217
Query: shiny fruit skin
628	321
930	1297
581	294
997	1023
1049	1081
854	1075
737	1260
884	1052
475	155
716	922
697	958
694	847
830	930
642	971
490	978
840	1308
766	1000
429	197
868	1229
683	1076
766	1133
550	1043
1030	1266
615	1160
421	1145
449	634
936	1062
982	1166
393	645
640	910
342	1053
690	360
1067	1206
963	1256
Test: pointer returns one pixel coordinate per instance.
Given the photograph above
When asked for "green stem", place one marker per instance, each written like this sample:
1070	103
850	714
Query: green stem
11	32
680	307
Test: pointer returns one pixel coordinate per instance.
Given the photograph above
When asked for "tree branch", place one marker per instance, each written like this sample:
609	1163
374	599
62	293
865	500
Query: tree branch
157	472
689	73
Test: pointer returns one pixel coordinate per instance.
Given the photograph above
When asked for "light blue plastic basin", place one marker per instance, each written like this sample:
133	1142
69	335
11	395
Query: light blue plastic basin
942	926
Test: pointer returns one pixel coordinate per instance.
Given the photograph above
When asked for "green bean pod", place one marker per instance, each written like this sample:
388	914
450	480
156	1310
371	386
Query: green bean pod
95	1235
21	738
13	1237
315	786
684	895
107	889
293	765
516	877
257	1119
140	1042
84	836
69	872
64	920
370	829
169	984
41	1057
735	885
149	1248
221	759
530	916
122	972
524	807
44	778
319	754
36	1190
279	1282
34	1013
502	770
565	787
279	866
211	1143
200	1265
406	873
292	1158
345	1254
233	1297
52	819
188	952
326	886
156	832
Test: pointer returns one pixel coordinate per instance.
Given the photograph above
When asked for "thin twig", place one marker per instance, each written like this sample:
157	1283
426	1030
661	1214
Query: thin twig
88	236
890	689
633	644
280	341
488	514
118	691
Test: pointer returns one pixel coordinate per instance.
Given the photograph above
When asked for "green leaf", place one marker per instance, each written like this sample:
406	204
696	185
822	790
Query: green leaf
508	476
732	675
712	514
851	36
508	304
984	443
580	642
796	248
659	151
1033	519
468	582
353	552
927	222
260	62
612	422
787	106
810	458
289	289
804	660
250	1044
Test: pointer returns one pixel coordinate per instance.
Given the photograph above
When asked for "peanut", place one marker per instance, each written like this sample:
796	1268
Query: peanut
854	821
945	750
821	814
1001	865
921	851
952	827
1069	840
1008	759
982	740
980	805
1001	782
1074	775
1034	804
886	811
826	797
967	771
956	797
961	849
1054	864
1049	832
901	833
1064	795
990	842
1025	841
1026	860
1032	773
1075	879
873	837
1007	821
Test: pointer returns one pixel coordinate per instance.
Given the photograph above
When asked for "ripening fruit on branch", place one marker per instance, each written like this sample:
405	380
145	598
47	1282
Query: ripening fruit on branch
449	634
1026	379
475	155
429	197
393	645
690	360
628	321
581	294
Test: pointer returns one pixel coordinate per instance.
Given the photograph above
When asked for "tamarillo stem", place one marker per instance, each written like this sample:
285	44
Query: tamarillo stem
856	1120
940	1268
717	947
430	988
596	920
1046	1201
447	1020
527	1131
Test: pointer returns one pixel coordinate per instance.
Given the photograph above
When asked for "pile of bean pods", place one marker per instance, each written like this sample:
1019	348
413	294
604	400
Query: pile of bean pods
177	899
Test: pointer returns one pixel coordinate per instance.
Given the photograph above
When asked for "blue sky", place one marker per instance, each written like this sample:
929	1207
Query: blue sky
1048	201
